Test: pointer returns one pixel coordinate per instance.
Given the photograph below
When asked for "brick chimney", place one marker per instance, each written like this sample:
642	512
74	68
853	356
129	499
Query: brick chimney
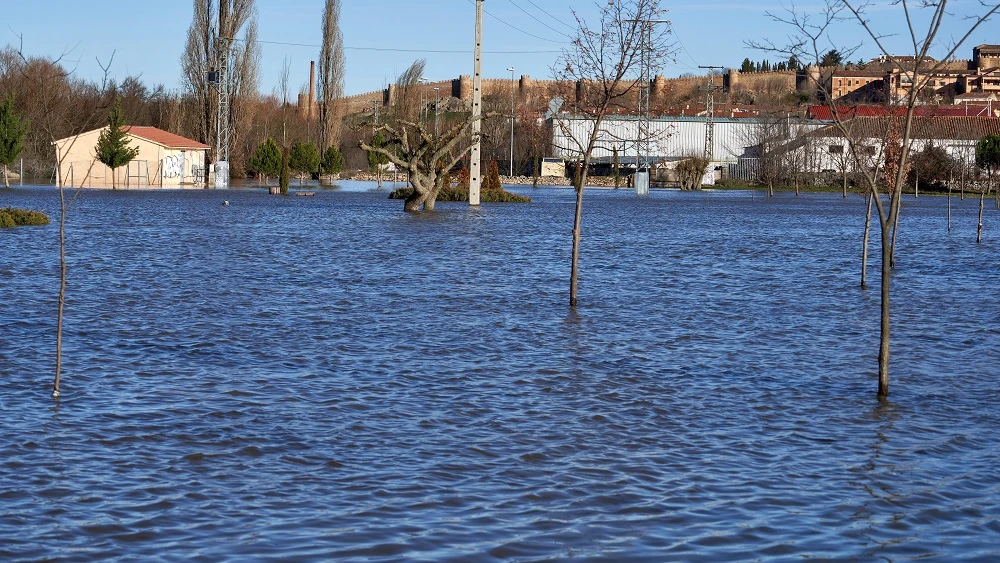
311	111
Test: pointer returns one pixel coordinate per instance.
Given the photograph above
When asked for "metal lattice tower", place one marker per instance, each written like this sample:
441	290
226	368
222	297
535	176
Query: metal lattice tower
642	145
222	119
642	142
710	90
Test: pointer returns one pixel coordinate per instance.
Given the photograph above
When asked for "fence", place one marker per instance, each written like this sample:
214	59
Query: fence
745	170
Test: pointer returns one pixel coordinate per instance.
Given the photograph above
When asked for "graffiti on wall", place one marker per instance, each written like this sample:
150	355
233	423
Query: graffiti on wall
173	166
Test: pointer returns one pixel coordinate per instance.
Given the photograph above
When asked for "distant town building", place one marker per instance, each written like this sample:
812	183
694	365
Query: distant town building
886	79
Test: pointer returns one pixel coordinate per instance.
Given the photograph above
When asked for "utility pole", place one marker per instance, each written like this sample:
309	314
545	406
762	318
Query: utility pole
437	100
475	175
711	89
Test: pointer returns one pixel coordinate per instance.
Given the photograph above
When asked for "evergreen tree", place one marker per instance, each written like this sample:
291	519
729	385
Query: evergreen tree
492	180
333	161
831	58
988	153
747	65
113	148
267	160
376	160
285	174
12	132
304	159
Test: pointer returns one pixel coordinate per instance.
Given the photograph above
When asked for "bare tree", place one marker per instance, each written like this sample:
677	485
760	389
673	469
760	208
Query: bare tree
45	85
810	31
533	138
606	59
768	137
210	31
331	76
407	88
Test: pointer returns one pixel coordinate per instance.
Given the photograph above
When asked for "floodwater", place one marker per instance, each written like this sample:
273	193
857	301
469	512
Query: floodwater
329	379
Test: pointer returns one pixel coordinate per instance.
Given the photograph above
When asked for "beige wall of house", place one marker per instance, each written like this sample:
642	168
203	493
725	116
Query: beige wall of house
155	166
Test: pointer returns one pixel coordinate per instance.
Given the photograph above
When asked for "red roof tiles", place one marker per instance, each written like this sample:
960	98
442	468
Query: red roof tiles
165	138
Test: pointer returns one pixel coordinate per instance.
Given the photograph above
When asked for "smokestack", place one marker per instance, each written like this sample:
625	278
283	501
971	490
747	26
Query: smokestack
312	88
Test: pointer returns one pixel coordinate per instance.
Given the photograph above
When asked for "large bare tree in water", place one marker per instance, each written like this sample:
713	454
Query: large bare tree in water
425	156
920	21
607	59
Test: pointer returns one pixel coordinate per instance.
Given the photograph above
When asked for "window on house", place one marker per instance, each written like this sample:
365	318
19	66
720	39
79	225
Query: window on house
836	149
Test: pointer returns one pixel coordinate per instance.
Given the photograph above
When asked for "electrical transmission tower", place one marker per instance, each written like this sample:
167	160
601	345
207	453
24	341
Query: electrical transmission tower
642	144
710	89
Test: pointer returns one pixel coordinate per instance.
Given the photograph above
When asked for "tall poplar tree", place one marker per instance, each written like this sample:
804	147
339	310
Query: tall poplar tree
12	131
113	145
331	76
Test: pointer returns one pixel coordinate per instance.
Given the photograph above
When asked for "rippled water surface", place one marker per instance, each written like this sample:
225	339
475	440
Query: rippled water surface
327	378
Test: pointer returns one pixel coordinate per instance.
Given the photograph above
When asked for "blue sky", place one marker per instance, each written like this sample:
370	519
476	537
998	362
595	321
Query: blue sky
148	37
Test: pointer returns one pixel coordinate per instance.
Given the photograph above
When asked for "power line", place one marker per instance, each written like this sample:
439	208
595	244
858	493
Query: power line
516	28
681	43
532	16
542	10
392	50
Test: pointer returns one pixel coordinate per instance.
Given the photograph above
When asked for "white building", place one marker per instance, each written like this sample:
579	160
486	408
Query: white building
670	138
828	149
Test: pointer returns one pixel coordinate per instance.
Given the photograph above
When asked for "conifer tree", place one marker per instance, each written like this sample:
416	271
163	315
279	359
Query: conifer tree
12	131
113	145
267	161
333	161
285	174
304	159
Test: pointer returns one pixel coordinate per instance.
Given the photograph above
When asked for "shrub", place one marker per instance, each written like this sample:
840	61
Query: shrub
690	172
11	217
932	167
459	193
491	182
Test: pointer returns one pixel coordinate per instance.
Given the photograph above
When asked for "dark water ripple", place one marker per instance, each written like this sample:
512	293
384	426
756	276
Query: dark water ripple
316	379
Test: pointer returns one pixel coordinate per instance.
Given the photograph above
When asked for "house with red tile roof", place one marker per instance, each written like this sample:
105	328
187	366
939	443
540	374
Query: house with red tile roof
165	160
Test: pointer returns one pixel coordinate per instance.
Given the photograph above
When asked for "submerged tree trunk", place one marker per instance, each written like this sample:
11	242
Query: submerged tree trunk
895	230
574	269
864	246
979	229
62	289
414	202
883	351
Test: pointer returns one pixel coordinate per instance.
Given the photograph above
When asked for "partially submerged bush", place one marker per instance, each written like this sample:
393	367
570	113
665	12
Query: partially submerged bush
691	172
11	217
459	193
